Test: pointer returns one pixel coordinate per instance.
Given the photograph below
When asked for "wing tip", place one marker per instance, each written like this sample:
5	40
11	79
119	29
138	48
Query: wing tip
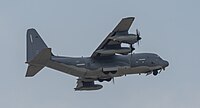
129	18
31	29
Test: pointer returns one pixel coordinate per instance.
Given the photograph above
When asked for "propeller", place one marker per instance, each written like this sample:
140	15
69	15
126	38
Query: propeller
132	49
138	36
131	45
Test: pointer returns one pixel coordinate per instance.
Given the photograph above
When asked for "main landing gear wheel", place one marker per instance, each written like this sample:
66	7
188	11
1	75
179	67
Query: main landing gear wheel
100	80
108	80
155	72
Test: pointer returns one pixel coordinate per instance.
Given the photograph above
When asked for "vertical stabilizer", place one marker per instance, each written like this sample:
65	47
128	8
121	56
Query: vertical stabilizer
34	44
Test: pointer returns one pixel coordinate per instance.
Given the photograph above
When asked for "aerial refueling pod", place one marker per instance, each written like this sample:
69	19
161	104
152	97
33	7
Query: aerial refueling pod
82	85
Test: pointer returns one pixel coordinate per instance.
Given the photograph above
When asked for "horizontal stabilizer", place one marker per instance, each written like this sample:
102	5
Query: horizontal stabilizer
33	69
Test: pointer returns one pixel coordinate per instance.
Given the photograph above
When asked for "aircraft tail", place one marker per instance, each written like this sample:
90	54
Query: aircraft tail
38	54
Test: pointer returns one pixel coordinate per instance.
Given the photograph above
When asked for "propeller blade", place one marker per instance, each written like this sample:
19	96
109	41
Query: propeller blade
113	80
138	36
138	43
137	32
160	70
132	49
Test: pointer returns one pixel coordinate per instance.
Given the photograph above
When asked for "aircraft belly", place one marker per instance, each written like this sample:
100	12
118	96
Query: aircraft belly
136	70
94	74
133	70
69	69
120	72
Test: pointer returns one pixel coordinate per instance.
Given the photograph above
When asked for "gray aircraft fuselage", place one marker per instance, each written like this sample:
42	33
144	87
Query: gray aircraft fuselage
104	68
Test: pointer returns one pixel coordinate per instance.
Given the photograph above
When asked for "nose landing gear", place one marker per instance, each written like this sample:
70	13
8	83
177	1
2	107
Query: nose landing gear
155	72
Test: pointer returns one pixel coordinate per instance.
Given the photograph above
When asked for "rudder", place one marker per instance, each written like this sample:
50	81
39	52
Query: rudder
34	44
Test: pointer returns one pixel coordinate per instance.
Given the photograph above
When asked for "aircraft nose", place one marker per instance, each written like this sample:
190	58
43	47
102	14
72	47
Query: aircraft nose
165	63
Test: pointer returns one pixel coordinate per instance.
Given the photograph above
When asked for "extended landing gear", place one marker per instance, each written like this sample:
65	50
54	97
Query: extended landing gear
155	72
108	80
107	73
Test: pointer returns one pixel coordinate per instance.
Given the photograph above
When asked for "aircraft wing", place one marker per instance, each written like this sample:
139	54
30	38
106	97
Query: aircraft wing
121	29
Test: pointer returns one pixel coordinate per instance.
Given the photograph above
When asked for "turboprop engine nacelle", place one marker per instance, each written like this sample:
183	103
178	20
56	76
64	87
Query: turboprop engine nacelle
129	39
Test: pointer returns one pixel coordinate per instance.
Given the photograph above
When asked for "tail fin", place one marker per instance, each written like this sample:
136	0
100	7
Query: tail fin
38	53
34	44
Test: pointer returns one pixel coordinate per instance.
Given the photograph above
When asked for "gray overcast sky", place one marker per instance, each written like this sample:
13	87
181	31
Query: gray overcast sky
169	28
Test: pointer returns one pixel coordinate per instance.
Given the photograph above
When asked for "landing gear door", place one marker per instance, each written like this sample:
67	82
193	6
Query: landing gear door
110	69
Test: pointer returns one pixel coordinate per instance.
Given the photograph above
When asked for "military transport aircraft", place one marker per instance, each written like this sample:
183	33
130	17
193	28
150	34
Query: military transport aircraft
111	59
